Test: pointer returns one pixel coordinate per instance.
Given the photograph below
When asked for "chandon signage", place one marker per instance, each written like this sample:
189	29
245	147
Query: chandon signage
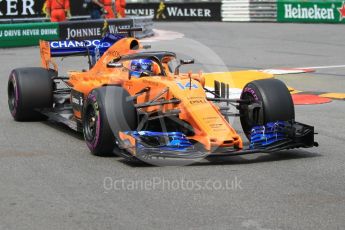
205	11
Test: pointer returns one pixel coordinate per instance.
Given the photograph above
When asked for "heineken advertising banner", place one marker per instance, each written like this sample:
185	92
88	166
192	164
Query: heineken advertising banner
27	34
194	11
311	11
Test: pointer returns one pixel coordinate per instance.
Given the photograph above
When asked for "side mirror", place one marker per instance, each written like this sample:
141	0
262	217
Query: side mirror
115	65
183	62
146	47
187	62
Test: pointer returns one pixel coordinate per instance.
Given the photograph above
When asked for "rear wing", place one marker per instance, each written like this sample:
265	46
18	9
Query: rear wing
66	48
92	48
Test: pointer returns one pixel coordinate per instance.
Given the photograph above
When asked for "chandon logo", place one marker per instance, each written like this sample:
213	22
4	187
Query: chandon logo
78	44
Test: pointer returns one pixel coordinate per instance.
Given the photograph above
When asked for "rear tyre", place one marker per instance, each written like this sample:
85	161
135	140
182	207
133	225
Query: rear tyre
106	112
29	89
277	104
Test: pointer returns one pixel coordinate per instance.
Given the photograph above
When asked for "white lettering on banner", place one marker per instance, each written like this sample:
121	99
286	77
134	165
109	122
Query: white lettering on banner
28	6
207	13
49	32
115	29
11	6
31	32
12	33
173	12
141	12
78	44
314	12
178	12
87	32
54	45
27	32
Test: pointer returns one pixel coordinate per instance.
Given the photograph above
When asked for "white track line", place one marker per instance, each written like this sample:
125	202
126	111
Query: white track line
322	67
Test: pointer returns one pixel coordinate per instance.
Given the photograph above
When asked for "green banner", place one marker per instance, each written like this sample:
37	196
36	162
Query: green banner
311	11
27	34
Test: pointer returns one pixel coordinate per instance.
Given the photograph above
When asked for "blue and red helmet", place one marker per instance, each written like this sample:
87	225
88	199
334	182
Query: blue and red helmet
140	66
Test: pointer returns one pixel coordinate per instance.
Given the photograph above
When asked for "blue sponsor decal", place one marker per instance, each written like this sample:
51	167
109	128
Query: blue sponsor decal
78	44
188	85
96	47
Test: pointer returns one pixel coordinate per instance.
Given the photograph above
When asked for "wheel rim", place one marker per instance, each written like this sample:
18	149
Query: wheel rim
245	121
90	124
12	97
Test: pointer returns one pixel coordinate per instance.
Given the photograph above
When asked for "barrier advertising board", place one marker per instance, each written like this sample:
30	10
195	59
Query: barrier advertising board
15	9
91	29
193	11
27	34
311	11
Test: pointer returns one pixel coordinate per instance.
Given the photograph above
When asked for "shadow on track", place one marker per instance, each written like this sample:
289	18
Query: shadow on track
66	130
237	160
260	158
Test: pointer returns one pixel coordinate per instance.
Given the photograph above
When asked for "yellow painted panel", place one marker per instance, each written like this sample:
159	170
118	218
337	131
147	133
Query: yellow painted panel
334	95
295	91
235	79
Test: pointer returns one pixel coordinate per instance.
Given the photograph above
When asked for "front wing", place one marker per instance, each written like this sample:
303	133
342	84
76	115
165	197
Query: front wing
269	138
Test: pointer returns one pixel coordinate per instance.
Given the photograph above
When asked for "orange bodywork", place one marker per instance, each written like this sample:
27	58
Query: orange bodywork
211	129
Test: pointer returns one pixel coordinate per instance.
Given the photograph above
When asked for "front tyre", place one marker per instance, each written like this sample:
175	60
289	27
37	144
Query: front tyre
107	111
270	101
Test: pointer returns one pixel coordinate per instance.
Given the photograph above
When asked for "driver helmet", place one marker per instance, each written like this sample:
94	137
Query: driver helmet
140	66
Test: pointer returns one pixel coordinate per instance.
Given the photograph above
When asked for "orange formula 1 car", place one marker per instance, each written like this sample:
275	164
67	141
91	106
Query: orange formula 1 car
137	103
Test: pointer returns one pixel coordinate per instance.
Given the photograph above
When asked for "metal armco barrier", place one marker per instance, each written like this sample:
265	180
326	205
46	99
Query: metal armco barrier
311	11
249	10
29	34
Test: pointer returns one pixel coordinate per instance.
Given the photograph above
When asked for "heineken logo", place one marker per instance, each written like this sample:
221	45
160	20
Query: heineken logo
314	12
342	11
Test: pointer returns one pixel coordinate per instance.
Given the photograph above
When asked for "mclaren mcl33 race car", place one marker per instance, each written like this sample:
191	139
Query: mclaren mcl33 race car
137	104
